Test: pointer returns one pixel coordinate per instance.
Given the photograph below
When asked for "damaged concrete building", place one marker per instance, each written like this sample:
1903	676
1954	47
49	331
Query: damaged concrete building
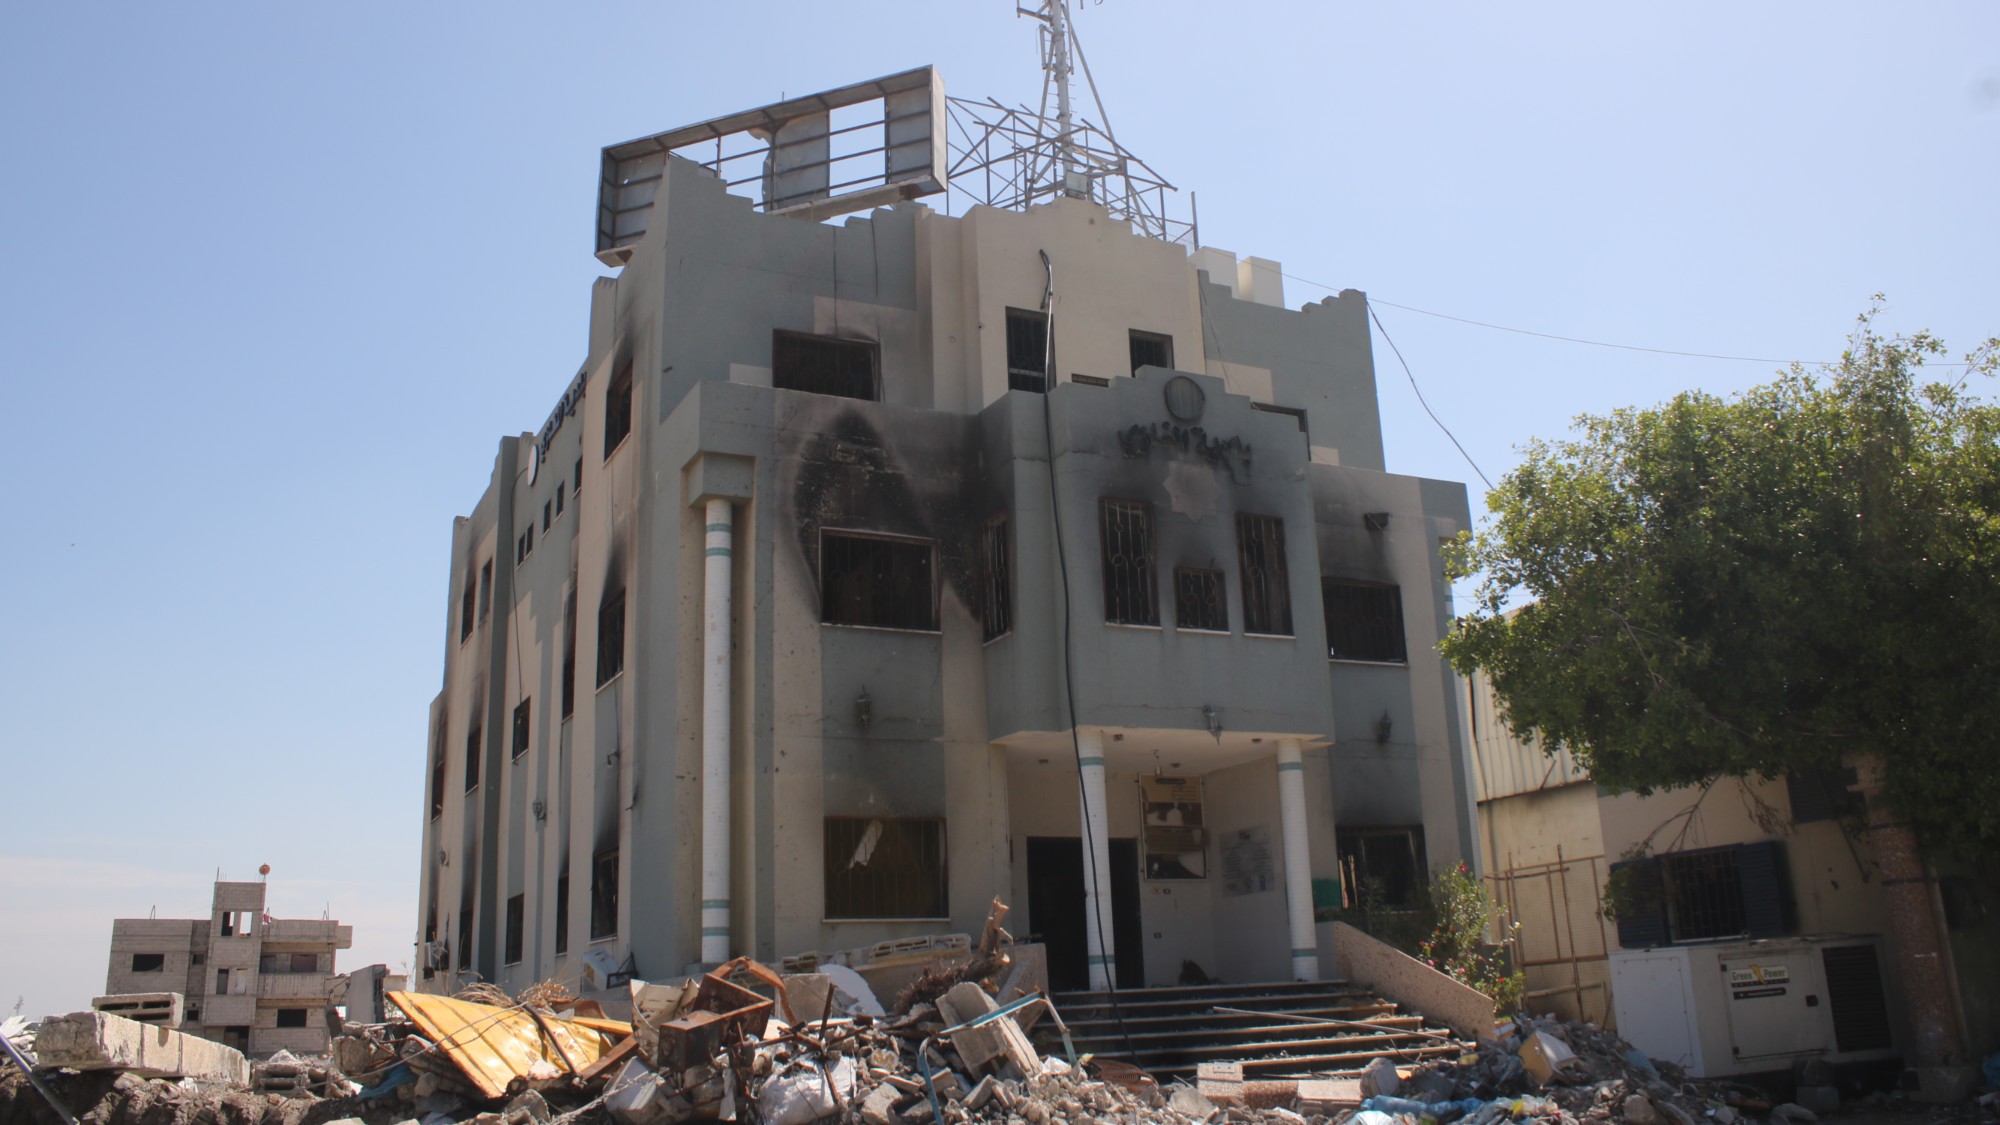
870	569
239	977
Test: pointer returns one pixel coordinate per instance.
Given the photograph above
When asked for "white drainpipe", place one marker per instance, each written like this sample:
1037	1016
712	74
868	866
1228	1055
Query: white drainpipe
720	519
1298	860
1099	925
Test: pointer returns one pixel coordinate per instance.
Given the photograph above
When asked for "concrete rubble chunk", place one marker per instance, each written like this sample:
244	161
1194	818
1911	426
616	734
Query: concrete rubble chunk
1185	1100
879	1107
1379	1078
965	1001
100	1041
1638	1110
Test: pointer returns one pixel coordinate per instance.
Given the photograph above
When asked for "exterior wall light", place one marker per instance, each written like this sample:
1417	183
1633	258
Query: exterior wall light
864	709
1214	718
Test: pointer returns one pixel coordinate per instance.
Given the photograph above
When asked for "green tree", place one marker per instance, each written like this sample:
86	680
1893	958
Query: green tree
1787	580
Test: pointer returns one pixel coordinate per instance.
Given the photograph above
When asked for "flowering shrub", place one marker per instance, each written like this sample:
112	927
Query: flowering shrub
1458	947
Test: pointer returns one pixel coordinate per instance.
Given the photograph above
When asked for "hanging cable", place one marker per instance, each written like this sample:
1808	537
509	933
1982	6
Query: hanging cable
1104	932
1420	398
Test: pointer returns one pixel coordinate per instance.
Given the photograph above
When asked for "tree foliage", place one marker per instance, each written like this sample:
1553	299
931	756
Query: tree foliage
1783	580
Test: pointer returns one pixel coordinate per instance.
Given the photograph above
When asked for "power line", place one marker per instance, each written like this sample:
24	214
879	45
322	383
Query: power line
1374	300
1420	396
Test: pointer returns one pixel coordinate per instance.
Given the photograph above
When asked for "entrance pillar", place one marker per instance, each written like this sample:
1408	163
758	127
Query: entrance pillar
1298	859
1096	860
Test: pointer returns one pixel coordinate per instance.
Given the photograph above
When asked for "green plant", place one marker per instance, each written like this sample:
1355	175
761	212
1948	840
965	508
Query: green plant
1457	946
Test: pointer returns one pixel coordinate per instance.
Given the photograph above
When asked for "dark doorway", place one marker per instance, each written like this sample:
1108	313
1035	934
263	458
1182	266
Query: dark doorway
1056	916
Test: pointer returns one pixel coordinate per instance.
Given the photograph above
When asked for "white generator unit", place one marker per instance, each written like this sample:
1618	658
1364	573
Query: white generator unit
1745	1007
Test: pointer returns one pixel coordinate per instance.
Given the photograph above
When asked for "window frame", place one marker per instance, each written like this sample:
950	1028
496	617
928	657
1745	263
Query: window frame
618	406
932	604
562	910
523	730
517	929
1328	583
473	765
1017	377
1221	600
290	1019
1105	506
156	962
1137	336
834	851
604	894
996	578
604	648
873	349
1275	574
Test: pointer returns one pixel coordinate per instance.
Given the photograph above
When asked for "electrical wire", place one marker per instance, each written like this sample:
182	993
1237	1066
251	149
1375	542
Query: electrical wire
1068	663
1420	397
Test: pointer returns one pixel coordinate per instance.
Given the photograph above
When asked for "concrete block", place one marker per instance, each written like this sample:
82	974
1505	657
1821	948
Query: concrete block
99	1041
161	1009
965	1001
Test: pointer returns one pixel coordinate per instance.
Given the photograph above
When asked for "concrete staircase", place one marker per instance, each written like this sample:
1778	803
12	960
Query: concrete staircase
1171	1030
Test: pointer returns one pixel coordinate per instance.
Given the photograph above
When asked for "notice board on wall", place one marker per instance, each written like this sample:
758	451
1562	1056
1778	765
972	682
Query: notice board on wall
1176	847
1247	867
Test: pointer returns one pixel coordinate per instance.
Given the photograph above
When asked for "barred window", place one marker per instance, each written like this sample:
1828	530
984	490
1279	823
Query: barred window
885	867
521	729
1364	621
1126	528
610	638
618	409
1151	349
878	581
997	606
1267	587
1027	350
824	365
1199	601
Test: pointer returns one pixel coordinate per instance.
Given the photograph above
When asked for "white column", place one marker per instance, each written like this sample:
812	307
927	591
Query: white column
1102	943
1298	860
716	575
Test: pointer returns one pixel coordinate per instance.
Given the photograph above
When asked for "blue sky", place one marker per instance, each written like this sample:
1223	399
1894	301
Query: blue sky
274	279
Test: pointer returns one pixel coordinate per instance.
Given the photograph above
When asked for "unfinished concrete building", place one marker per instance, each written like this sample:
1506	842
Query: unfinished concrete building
238	976
868	570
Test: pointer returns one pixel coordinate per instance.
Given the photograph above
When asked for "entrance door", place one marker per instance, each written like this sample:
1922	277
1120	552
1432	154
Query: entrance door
1056	914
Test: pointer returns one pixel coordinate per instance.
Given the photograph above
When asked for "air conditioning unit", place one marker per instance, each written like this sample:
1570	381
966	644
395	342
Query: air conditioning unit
1746	1007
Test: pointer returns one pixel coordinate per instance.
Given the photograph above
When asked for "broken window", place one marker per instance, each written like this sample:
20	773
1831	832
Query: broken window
291	1017
610	638
569	657
437	770
1381	867
824	365
1198	600
1151	349
1364	621
466	607
228	923
465	939
472	759
885	867
997	605
521	728
1126	528
878	581
562	910
617	410
149	962
604	894
485	589
1027	350
517	924
1267	587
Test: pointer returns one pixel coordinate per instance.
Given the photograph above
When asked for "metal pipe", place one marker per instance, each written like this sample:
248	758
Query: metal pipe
720	521
1298	859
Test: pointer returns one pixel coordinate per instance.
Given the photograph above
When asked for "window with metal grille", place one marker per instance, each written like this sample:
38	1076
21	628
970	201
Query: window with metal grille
1267	586
521	728
823	365
1703	897
610	638
472	759
291	1017
618	409
562	910
1383	867
466	607
149	962
1027	350
1199	601
1151	349
878	581
569	657
1854	992
1364	621
604	894
997	605
1125	528
517	925
885	867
